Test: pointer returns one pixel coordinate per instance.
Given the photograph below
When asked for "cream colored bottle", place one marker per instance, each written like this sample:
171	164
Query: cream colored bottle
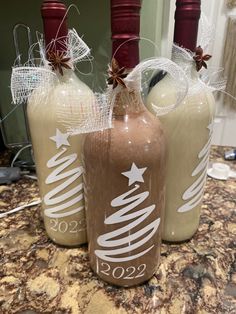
58	161
189	131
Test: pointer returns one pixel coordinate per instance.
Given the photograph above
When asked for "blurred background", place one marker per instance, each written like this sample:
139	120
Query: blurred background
157	24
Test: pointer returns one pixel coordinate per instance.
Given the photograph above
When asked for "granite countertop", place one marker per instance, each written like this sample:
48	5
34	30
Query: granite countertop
198	276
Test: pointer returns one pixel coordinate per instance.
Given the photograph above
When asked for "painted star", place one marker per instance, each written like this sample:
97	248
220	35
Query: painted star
60	138
135	174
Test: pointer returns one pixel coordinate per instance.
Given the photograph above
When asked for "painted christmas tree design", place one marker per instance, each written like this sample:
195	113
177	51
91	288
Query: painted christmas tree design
193	195
61	203
122	241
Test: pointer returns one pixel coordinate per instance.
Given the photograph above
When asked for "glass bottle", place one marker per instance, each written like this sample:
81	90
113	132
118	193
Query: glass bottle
124	178
188	130
58	154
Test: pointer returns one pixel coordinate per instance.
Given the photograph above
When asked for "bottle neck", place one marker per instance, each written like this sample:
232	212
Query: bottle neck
125	28
55	25
126	53
68	76
187	16
127	102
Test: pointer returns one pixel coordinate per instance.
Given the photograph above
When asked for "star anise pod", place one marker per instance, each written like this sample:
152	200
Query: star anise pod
200	58
116	74
57	61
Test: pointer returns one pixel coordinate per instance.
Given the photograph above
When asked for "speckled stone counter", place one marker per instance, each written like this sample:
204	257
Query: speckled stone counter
199	276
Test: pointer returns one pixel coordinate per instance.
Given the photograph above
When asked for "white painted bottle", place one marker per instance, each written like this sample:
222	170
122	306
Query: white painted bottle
189	132
56	153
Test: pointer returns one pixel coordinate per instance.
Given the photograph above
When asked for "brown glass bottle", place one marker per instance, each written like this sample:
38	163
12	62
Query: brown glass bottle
124	174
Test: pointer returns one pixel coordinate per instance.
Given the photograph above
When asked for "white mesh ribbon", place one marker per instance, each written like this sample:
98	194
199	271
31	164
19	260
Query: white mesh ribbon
85	113
97	114
166	65
26	79
77	49
211	78
79	112
206	33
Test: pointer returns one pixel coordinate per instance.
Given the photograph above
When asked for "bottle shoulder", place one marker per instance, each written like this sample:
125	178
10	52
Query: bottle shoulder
130	131
165	93
61	94
72	84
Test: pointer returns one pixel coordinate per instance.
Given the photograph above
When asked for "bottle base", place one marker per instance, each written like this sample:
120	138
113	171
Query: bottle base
69	244
178	239
66	245
120	283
